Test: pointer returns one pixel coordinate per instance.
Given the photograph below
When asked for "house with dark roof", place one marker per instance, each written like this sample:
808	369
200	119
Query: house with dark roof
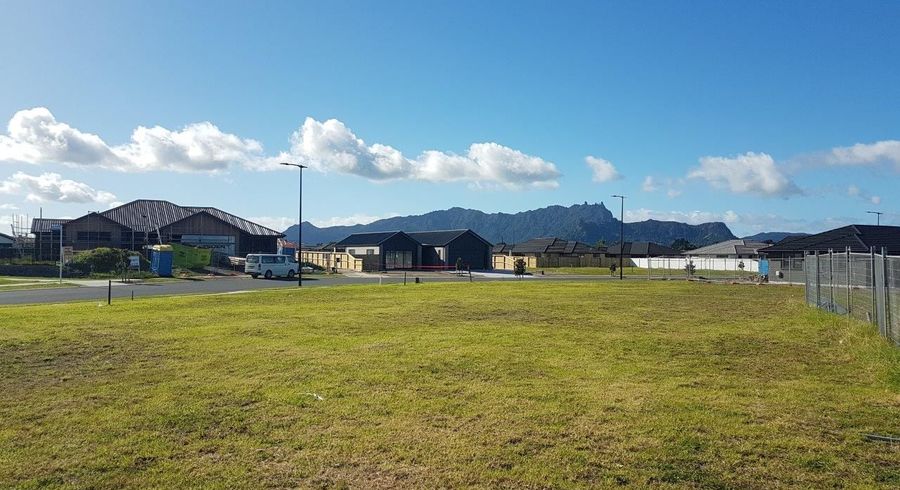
6	241
554	247
641	249
382	250
446	248
730	249
146	222
858	238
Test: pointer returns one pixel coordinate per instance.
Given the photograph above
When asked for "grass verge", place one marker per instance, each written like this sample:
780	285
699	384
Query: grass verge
518	384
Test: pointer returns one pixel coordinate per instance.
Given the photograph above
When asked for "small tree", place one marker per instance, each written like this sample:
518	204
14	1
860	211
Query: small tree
519	267
459	264
612	268
690	268
741	265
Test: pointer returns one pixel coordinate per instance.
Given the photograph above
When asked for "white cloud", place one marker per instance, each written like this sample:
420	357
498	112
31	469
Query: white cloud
855	191
604	170
690	217
750	173
356	219
866	154
649	184
52	187
673	193
36	137
9	207
331	146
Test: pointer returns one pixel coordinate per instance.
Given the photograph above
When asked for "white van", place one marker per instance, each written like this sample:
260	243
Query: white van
270	265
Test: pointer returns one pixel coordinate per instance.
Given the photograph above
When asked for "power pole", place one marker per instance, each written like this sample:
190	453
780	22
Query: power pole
621	234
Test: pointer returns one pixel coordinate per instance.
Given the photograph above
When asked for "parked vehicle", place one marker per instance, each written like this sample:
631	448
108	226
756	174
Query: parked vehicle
270	265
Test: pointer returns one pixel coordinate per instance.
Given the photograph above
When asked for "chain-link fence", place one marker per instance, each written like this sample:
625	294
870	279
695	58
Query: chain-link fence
863	286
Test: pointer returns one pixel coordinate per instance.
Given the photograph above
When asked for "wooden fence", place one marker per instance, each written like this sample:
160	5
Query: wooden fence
341	261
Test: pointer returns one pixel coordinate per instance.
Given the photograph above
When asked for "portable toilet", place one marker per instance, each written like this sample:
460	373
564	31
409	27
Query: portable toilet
161	260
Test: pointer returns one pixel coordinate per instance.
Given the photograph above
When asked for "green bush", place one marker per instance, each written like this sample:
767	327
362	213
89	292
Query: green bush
104	260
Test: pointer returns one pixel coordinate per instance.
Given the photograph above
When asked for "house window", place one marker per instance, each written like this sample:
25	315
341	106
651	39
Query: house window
94	236
370	251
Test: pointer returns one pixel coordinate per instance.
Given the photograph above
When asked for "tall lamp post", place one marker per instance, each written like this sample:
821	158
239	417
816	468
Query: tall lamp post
299	224
621	233
877	216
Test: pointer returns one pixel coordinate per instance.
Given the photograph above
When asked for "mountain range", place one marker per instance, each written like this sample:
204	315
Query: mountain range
588	223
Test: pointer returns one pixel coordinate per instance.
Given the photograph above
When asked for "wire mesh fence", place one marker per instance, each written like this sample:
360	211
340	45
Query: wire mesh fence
862	286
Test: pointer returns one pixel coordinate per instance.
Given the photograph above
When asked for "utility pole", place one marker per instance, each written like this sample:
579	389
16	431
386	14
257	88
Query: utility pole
299	224
621	233
877	216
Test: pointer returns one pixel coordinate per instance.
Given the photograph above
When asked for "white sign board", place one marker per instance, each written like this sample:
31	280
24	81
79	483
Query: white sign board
134	261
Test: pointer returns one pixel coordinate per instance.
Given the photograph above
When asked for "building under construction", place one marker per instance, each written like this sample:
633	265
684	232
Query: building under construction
144	222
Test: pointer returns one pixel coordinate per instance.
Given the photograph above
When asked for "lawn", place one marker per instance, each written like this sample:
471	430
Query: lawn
20	283
516	384
638	272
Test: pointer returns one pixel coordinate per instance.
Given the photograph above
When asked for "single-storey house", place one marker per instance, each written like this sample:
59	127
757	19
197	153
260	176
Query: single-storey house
730	249
147	222
382	250
554	247
858	238
446	248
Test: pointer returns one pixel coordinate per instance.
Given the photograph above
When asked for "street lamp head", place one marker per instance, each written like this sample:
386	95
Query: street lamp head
619	196
293	165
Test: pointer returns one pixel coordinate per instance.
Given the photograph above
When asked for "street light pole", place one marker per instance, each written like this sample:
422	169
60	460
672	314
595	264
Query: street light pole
877	216
621	234
299	224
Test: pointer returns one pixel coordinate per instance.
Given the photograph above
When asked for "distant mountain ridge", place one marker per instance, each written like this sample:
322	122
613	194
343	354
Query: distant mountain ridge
583	222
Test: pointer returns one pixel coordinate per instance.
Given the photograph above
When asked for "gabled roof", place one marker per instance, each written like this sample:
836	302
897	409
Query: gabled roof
554	245
502	248
729	247
860	238
367	239
242	224
42	225
642	249
441	238
147	215
4	235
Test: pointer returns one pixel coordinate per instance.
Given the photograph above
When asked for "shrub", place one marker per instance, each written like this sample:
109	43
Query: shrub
104	260
519	267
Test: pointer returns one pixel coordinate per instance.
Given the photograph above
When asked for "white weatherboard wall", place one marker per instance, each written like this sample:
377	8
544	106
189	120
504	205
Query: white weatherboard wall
700	263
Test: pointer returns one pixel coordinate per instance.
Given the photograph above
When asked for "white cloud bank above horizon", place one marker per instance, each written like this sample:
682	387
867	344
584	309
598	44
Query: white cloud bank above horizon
749	173
52	187
887	151
36	137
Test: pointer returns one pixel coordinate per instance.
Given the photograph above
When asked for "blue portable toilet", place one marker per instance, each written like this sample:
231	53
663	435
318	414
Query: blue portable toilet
161	260
764	268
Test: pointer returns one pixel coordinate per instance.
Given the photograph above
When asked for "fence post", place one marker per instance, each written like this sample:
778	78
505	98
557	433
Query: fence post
874	296
831	277
887	298
818	282
849	283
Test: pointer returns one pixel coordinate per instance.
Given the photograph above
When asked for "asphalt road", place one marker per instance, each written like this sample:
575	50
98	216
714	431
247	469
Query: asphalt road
223	285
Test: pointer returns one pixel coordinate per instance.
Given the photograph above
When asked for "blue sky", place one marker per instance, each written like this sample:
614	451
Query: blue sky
770	116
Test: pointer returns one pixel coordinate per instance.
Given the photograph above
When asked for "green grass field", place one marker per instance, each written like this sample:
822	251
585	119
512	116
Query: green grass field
516	384
20	283
638	272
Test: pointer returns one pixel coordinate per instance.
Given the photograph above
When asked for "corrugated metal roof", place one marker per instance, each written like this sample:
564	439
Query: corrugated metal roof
366	239
244	225
147	215
42	225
